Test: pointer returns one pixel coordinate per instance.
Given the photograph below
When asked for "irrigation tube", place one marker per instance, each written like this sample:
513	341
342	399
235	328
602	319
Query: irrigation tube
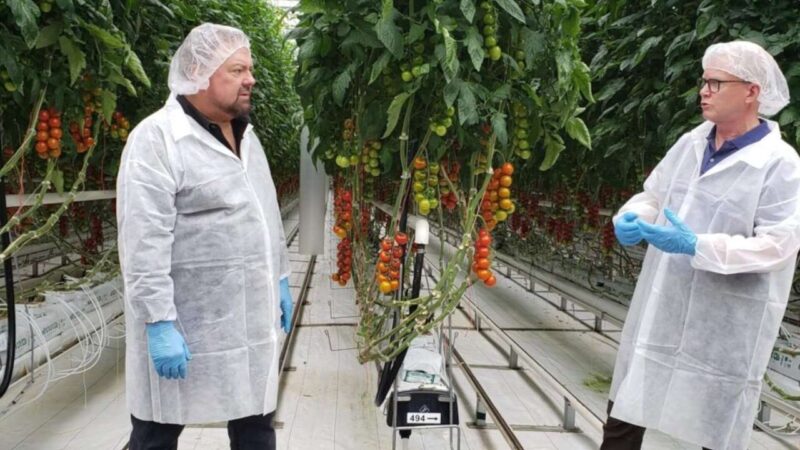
11	342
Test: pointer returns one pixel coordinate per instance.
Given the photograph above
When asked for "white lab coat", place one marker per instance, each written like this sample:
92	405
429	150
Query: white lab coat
700	330
201	242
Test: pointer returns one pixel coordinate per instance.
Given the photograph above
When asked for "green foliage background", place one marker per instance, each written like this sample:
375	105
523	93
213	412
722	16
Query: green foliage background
645	59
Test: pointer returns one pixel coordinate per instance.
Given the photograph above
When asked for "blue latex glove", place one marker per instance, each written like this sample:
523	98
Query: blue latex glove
167	349
626	229
675	239
286	306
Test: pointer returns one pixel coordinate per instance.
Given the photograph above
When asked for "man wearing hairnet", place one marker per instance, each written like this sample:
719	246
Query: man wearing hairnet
721	216
203	254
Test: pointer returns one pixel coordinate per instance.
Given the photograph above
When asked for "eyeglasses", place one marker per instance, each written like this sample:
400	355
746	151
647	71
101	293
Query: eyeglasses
715	85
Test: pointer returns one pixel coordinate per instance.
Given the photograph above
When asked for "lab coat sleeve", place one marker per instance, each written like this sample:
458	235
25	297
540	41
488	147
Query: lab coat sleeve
146	216
648	203
776	233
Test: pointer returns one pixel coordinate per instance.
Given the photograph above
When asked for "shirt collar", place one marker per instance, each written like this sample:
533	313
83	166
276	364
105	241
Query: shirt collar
239	124
750	137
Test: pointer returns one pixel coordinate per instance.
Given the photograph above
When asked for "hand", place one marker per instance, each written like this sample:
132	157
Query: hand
286	306
167	349
626	229
675	239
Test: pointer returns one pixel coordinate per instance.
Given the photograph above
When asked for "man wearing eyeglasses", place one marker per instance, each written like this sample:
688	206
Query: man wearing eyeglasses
721	215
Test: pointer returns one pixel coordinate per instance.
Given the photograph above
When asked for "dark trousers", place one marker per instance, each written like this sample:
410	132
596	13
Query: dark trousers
247	433
619	435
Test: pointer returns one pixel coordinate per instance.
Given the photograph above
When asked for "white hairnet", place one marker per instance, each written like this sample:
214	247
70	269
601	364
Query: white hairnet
202	52
752	63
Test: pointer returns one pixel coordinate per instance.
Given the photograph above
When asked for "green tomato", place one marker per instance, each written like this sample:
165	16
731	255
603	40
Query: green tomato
525	154
3	74
373	163
354	160
419	197
419	48
406	76
418	187
490	41
433	181
375	172
416	71
521	65
521	133
523	123
376	145
488	30
434	167
495	53
519	54
419	175
424	207
46	7
488	19
524	145
418	60
434	203
451	111
441	130
10	86
447	122
329	154
486	5
342	161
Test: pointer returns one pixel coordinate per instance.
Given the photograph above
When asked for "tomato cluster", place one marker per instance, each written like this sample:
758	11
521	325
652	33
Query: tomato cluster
344	262
342	211
490	23
520	138
442	122
482	262
390	257
426	180
497	205
121	126
49	133
369	158
449	198
83	137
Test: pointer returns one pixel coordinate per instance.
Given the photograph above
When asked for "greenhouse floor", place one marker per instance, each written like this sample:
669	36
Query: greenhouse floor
326	396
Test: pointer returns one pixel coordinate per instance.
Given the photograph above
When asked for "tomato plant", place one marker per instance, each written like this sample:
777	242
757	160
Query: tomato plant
440	86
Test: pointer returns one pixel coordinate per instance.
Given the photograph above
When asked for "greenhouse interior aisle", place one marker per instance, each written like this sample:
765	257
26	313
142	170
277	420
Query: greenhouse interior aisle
326	396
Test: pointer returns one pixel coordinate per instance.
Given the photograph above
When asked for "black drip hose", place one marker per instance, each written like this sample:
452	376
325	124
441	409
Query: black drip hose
9	277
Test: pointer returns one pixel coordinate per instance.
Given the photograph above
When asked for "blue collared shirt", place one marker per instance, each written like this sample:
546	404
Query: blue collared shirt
712	156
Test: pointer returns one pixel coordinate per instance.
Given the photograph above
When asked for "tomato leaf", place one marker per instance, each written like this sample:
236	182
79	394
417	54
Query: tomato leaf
468	8
25	12
108	39
75	57
49	35
134	64
109	102
388	33
499	128
577	130
394	112
340	85
475	47
467	107
379	65
553	146
512	8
